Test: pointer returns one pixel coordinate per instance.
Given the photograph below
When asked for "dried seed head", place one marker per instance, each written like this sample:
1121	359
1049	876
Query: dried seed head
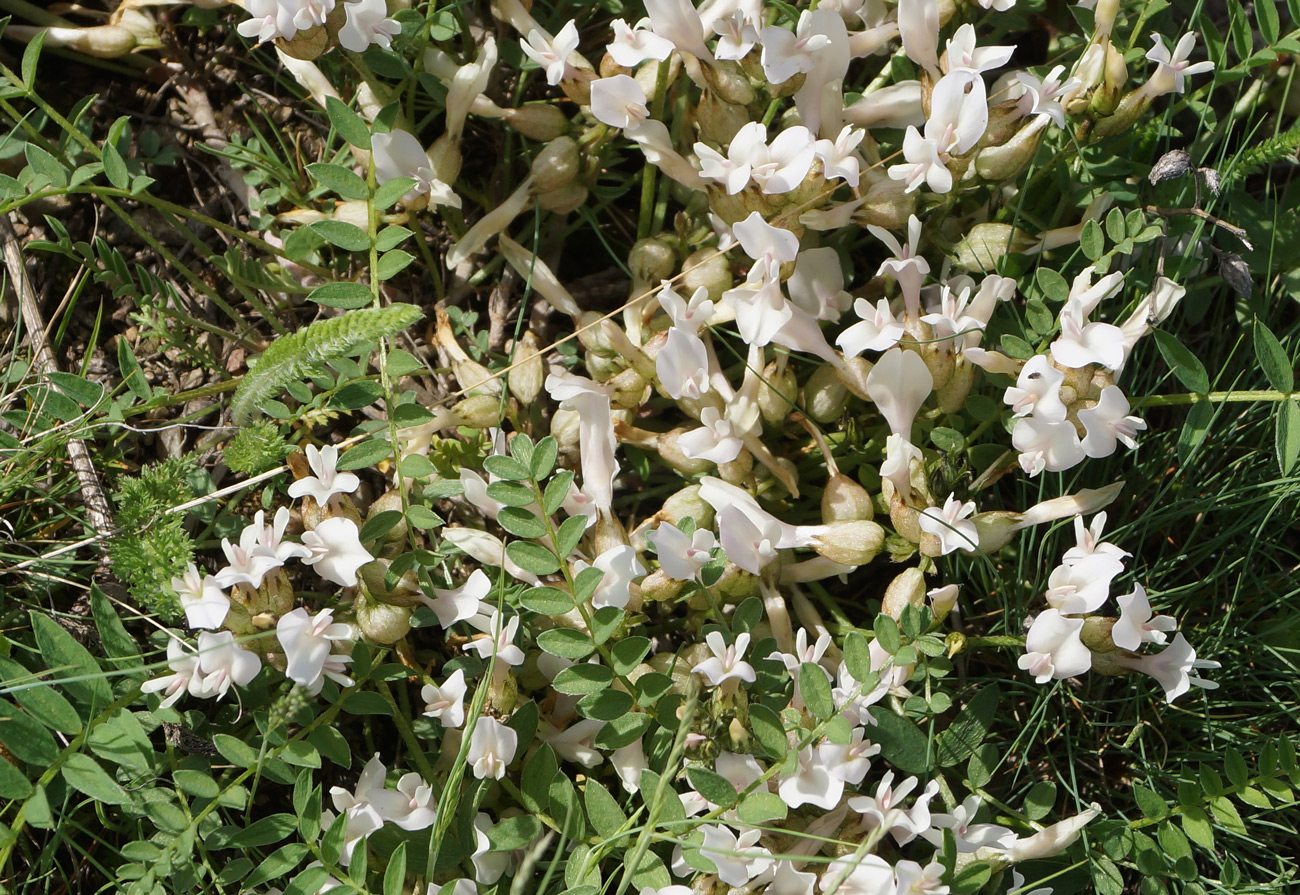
1211	178
1174	163
1236	273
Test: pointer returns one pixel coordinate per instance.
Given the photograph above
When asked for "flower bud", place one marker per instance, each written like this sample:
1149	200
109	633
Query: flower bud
657	587
824	396
777	392
996	528
477	412
708	268
631	389
1114	78
988	243
907	588
942	600
671	453
999	163
556	165
564	428
736	584
565	199
593	336
851	543
379	622
527	371
687	502
844	500
1096	633
389	500
736	472
903	517
730	82
718	119
542	122
650	261
952	397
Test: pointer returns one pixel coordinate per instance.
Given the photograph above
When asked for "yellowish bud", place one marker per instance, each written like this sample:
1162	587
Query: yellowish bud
907	588
851	543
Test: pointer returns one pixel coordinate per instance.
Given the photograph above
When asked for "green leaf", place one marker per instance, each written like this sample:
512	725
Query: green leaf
32	56
390	237
84	774
391	263
507	468
1273	358
1226	814
1053	286
901	743
132	373
422	517
1115	227
76	669
968	729
627	654
857	654
1091	241
605	621
265	831
291	357
546	601
1186	365
114	168
13	785
566	808
26	737
348	237
1040	799
566	643
579	680
1040	318
348	123
366	702
605	705
535	781
37	810
196	783
569	534
391	190
365	455
42	701
970	879
557	491
339	179
887	633
950	441
311	879
380	524
622	731
342	295
1016	347
1235	767
277	864
533	557
235	750
768	730
1269	25
815	689
46	166
1195	430
1197	826
119	645
512	494
606	817
714	787
760	808
543	459
395	872
521	523
1150	804
511	833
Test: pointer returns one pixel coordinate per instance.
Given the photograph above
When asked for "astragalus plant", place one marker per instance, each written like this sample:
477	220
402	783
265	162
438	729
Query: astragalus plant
687	593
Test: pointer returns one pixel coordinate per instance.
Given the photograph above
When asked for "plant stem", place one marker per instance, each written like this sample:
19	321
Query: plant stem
1260	396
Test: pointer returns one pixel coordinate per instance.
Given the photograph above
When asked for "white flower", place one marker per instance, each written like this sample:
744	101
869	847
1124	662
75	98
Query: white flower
223	662
817	284
968	834
804	652
951	525
851	762
680	556
689	316
629	762
785	54
202	599
327	480
898	384
1109	422
1172	667
1082	586
185	676
367	24
727	661
749	541
363	817
918	25
249	561
1054	648
307	642
500	642
736	35
716	440
489	866
1037	391
1087	541
682	365
411	806
574	742
784	164
812	783
270	19
457	604
963	56
1082	343
618	101
596	440
1137	623
336	551
839	157
1044	97
446	702
1046	444
764	243
884	809
1172	69
877	330
620	565
632	46
492	746
552	54
399	154
738	858
679	22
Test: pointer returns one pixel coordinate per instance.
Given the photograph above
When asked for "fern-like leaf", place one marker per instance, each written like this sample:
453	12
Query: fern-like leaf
1275	149
289	358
